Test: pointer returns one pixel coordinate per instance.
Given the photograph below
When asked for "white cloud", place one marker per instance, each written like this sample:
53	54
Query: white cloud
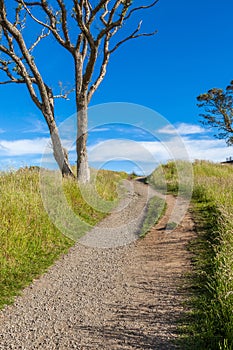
205	149
119	149
208	149
100	129
182	129
23	147
145	154
174	148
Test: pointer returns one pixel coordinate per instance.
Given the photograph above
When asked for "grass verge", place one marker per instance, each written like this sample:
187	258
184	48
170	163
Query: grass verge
29	242
213	257
156	208
209	325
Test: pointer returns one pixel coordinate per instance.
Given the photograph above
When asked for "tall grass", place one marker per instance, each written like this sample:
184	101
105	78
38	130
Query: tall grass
175	177
29	241
156	208
211	324
213	207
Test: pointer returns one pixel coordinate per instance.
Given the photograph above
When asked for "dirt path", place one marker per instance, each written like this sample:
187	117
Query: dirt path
156	285
126	297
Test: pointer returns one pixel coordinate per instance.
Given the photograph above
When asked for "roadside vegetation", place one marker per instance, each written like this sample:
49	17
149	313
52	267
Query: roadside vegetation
210	325
29	242
155	210
213	252
173	177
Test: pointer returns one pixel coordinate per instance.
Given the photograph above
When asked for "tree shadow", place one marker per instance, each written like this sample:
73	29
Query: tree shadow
141	324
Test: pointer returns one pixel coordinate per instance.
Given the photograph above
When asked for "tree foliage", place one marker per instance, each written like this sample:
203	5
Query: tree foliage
218	111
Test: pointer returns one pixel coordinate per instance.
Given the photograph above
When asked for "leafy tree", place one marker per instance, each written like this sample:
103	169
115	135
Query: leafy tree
89	31
218	107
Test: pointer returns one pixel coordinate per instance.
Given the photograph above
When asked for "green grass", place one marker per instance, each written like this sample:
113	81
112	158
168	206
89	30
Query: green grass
173	177
29	241
213	254
209	325
156	209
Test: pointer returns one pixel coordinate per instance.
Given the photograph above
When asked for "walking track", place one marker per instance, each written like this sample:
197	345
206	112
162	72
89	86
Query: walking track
123	297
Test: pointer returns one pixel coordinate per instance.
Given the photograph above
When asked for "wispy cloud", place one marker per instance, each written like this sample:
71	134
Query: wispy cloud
37	127
99	129
2	131
23	147
174	148
144	153
182	129
205	149
208	149
2	147
122	150
119	149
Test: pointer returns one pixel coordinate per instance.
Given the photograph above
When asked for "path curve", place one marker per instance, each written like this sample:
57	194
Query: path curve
126	297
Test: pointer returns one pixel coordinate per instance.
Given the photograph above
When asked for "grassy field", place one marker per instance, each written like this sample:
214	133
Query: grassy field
29	242
211	323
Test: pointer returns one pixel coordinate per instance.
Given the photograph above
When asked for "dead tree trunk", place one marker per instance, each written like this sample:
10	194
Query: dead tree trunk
83	171
60	154
97	22
19	66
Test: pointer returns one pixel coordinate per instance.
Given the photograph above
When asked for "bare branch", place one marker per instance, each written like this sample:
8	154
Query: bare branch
141	8
64	21
10	82
4	66
90	67
26	4
111	24
29	74
87	9
134	35
52	19
84	48
17	15
103	69
64	93
102	17
84	28
9	39
114	9
22	71
97	9
34	3
40	37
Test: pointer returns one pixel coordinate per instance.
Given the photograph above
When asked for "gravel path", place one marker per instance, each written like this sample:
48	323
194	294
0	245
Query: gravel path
123	297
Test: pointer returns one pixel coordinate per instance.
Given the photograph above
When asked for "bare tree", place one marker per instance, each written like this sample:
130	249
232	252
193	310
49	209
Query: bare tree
218	107
89	31
18	65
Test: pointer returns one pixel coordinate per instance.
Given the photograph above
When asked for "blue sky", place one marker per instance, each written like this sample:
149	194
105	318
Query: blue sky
191	53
